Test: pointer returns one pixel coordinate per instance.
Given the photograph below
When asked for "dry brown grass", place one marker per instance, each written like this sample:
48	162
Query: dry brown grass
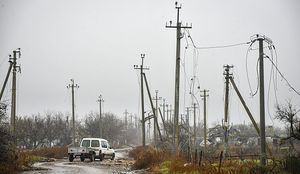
25	158
147	157
158	161
51	152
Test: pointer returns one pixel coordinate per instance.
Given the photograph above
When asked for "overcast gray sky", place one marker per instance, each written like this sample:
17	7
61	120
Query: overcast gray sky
98	42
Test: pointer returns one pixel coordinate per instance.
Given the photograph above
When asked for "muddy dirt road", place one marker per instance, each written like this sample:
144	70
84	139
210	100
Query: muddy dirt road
121	165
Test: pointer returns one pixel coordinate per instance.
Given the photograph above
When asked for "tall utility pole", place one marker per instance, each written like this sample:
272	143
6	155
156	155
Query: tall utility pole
194	142
225	125
156	115
178	27
126	119
13	93
187	120
164	108
152	107
131	121
167	110
100	100
164	114
204	96
142	98
11	64
72	86
262	102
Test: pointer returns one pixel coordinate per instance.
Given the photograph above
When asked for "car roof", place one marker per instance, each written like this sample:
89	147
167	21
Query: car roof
101	139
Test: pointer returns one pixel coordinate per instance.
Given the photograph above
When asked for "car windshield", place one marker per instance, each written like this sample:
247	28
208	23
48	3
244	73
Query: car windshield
85	143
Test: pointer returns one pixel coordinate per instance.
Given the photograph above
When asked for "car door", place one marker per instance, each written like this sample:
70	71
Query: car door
109	150
95	144
104	147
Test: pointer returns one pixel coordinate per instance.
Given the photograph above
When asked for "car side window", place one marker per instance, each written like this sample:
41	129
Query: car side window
85	143
103	144
95	143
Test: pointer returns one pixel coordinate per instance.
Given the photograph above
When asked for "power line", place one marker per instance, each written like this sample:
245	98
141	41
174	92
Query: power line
216	47
282	76
223	46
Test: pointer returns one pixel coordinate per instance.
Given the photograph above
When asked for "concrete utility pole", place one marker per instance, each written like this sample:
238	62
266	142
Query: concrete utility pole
187	120
126	122
11	64
225	125
72	86
100	100
152	107
142	98
167	110
262	103
156	115
204	96
164	113
164	110
194	135
178	27
131	121
13	93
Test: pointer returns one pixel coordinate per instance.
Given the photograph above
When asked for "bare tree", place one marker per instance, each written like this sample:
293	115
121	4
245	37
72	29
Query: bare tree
7	157
288	115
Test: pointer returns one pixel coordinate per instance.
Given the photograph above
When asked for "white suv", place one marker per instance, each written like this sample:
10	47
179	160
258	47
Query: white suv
99	146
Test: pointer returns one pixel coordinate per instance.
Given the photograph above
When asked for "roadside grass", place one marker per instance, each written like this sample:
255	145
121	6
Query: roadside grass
25	158
147	157
51	152
158	161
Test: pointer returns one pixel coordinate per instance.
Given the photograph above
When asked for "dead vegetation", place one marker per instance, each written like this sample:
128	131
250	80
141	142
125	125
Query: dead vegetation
158	161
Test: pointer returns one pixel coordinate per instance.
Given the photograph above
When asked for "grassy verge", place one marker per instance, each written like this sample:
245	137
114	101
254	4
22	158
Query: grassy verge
23	159
158	161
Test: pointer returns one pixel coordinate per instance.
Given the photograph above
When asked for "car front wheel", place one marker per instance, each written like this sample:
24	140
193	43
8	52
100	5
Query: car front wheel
113	156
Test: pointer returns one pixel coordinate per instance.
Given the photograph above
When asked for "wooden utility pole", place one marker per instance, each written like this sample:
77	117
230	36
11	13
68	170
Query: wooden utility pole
100	100
226	122
72	86
178	27
204	96
13	93
141	68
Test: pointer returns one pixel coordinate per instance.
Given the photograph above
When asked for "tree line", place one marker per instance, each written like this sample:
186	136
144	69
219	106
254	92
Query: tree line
55	129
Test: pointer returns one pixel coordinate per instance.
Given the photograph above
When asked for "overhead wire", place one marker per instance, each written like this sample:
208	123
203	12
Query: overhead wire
139	98
247	71
283	77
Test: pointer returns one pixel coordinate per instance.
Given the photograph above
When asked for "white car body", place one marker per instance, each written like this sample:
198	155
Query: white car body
100	146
